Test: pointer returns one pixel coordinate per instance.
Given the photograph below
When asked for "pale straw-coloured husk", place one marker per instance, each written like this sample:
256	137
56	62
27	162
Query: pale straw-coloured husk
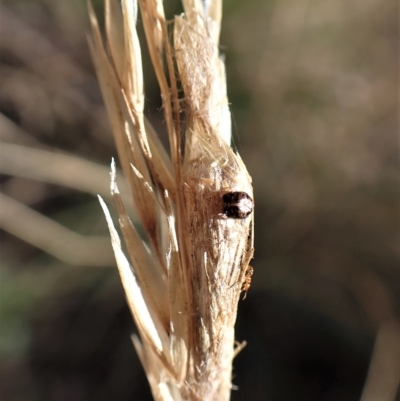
184	280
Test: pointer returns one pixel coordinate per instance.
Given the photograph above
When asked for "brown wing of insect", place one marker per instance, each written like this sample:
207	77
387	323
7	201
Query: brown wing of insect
247	281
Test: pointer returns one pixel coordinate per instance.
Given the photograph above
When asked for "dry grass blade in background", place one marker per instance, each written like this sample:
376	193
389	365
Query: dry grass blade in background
195	207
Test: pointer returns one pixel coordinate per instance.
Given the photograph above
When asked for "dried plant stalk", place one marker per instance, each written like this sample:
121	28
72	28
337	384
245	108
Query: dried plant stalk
195	206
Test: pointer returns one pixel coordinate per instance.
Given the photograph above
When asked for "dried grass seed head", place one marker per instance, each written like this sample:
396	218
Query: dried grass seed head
184	288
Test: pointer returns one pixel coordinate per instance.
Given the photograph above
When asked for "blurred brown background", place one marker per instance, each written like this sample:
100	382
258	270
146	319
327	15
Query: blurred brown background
313	87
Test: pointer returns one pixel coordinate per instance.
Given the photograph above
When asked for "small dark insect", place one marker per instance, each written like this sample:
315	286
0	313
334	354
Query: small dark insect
237	205
247	281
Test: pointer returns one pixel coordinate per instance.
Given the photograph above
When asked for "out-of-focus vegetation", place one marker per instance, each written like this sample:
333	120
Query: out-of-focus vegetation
313	87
